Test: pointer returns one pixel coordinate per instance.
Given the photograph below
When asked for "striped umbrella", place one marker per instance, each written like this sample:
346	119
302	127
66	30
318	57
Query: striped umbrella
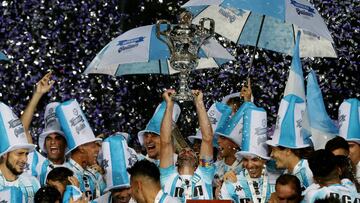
139	51
268	24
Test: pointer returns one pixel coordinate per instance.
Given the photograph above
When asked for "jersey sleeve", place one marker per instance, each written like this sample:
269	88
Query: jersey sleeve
166	175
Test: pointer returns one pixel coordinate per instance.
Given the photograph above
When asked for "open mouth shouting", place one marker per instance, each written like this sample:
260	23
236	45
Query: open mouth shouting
54	150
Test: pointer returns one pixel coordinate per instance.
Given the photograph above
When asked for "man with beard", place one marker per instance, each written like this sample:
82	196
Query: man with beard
149	137
83	148
229	142
254	183
193	177
51	141
14	150
289	142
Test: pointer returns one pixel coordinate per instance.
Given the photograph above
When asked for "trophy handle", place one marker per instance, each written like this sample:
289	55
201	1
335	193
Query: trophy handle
211	24
158	29
164	33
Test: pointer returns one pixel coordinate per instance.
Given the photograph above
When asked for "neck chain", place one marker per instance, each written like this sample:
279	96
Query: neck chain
250	182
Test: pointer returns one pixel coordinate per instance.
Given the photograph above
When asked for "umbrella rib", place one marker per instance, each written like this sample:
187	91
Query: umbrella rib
294	36
203	9
159	66
247	18
257	42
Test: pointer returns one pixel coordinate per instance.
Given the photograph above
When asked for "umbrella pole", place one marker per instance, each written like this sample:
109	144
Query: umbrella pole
256	45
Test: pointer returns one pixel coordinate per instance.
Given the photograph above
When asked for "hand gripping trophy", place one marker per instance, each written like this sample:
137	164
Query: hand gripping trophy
184	41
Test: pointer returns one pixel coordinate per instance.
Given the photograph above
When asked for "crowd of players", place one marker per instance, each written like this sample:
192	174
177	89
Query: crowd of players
231	156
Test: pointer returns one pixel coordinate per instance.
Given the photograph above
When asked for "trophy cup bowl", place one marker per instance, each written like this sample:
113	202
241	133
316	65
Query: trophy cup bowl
184	41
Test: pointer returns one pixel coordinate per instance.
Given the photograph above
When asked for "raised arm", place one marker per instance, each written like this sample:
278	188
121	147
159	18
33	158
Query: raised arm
246	91
166	145
42	87
206	150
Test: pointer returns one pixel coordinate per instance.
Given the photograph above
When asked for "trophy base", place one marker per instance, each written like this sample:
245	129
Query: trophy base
183	96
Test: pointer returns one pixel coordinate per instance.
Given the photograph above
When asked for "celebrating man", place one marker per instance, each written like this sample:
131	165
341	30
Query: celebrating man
193	177
14	150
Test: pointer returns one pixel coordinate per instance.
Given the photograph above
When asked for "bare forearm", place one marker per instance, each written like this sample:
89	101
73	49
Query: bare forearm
26	117
204	122
166	147
165	131
28	114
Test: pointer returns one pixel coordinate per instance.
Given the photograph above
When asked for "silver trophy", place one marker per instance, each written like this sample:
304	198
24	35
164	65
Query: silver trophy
184	41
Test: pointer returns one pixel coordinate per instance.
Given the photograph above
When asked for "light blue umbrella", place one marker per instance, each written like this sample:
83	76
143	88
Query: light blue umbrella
3	57
268	24
139	51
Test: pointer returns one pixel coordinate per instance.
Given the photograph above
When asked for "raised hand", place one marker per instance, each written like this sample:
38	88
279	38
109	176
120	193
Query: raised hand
198	96
246	91
167	95
45	84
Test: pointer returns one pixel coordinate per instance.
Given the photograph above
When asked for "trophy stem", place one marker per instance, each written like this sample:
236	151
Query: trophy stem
184	93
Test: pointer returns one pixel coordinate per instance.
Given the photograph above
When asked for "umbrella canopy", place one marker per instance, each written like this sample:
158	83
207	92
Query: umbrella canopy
268	24
139	51
3	57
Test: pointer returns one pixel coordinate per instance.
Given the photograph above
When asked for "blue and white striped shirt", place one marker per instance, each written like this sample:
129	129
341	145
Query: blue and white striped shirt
199	184
91	182
29	185
39	166
303	172
344	191
240	192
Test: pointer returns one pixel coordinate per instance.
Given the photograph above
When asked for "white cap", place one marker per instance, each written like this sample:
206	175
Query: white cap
231	127
117	158
154	124
289	132
12	133
216	112
254	134
52	125
75	125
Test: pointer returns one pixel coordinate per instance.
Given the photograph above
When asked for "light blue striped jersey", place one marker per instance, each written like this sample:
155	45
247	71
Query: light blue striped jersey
39	166
29	185
91	181
72	193
199	184
221	168
344	191
162	197
303	172
11	195
240	192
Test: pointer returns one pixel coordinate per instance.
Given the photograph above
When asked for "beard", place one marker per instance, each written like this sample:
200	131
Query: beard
187	161
12	168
